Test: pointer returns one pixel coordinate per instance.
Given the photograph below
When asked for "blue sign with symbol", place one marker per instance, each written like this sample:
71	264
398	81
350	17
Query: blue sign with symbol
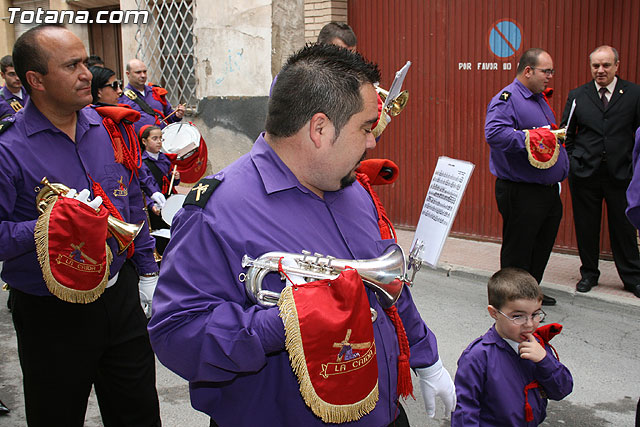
505	38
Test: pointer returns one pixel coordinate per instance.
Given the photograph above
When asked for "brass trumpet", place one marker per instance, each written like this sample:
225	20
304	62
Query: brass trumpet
123	232
561	134
394	108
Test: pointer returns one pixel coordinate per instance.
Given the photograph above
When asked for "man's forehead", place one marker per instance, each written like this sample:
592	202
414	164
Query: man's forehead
602	56
137	67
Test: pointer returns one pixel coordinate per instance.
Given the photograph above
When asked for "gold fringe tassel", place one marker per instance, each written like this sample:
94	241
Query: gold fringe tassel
64	293
329	413
537	163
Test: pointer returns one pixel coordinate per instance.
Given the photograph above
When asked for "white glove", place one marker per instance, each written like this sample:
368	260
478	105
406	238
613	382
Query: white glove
147	286
159	199
436	381
83	197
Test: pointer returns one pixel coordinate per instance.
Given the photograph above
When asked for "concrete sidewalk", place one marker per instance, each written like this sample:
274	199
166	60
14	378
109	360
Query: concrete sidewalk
480	260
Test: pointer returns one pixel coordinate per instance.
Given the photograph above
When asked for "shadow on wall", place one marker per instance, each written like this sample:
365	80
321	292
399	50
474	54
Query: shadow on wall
229	127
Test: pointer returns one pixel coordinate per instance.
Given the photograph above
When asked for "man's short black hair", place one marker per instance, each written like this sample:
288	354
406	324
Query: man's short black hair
6	62
338	30
28	56
529	59
319	78
95	60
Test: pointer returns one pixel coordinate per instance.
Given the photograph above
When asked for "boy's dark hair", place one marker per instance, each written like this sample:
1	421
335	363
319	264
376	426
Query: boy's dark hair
29	56
6	62
338	30
529	59
319	78
101	76
510	284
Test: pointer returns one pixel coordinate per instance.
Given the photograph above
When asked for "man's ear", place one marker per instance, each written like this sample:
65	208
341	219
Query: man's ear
35	80
493	312
320	129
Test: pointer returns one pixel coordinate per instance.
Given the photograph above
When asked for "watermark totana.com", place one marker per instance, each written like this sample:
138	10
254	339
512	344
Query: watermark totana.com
41	16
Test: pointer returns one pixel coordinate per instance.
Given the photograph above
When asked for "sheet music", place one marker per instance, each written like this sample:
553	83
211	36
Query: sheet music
573	107
396	86
441	204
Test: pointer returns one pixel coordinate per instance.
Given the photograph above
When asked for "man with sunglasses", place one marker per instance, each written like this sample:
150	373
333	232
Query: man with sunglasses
149	100
600	139
517	129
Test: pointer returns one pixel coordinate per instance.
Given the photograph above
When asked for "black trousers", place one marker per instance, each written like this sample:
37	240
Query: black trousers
531	215
66	348
587	195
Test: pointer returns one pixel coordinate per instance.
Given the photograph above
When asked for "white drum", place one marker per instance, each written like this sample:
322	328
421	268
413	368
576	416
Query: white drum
182	139
171	207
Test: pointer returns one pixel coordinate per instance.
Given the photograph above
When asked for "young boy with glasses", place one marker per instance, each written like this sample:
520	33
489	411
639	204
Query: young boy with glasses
505	377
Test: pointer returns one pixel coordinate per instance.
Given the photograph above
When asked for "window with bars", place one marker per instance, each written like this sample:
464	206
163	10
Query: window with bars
166	46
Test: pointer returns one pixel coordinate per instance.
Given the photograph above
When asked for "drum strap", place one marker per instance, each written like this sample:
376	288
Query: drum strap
160	178
144	106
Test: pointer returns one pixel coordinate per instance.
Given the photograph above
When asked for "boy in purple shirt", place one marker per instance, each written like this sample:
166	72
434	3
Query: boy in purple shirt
505	377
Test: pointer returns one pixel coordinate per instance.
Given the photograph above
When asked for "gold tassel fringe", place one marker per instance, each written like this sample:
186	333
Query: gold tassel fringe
64	293
329	413
537	163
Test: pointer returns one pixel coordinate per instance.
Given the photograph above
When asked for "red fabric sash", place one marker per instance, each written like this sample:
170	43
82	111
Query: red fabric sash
329	337
384	223
106	202
70	243
544	335
159	94
127	154
379	171
542	148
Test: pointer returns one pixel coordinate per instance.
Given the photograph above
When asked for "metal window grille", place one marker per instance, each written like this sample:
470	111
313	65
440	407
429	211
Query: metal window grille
166	46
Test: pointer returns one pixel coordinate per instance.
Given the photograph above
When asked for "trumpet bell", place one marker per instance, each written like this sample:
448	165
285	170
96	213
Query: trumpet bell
123	232
397	104
561	134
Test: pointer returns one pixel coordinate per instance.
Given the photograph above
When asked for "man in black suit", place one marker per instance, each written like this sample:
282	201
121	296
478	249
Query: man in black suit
600	139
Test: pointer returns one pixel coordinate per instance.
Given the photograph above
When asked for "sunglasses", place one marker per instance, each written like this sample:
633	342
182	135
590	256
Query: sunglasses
117	84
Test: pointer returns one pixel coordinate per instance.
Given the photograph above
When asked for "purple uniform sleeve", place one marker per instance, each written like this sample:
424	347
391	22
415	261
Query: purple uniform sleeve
218	336
633	191
500	129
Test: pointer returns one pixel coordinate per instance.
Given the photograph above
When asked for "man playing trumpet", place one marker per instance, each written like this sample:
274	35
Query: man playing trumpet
295	190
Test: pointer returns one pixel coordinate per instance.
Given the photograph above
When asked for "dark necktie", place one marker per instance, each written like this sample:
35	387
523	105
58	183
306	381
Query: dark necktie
603	97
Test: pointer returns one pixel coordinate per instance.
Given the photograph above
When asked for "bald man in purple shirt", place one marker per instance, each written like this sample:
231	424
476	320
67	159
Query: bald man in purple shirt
65	348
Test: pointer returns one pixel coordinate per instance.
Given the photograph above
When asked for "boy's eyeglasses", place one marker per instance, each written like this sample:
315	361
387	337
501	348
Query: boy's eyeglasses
521	319
117	84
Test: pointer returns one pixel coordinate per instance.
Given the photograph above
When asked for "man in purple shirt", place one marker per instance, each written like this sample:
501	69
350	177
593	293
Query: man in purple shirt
294	190
64	347
13	97
528	197
149	101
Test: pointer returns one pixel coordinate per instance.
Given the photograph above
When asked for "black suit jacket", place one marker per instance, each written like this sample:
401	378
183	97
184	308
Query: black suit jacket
594	131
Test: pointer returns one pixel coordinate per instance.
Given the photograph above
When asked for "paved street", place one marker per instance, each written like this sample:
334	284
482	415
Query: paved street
599	344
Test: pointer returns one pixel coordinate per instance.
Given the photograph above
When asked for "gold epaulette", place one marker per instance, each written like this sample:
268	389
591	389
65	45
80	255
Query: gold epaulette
130	94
